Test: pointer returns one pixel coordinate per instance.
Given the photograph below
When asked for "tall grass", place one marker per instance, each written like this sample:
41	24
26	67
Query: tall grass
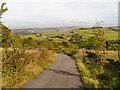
20	65
90	73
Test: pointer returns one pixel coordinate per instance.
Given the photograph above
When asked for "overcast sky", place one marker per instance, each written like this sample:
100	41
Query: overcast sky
56	13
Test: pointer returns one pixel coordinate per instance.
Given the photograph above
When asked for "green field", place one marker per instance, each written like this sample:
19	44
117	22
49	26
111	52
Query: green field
115	28
109	33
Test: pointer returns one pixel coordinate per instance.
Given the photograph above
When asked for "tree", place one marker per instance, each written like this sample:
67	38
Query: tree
77	39
6	38
5	32
98	44
2	10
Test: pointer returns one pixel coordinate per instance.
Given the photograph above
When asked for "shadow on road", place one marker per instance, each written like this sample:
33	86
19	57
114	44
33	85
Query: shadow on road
63	72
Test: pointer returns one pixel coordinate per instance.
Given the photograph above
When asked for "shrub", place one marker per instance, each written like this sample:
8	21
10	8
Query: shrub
6	38
56	45
15	42
80	54
66	43
50	39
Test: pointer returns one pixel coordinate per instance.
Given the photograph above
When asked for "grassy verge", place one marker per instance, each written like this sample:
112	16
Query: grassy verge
21	65
91	76
86	76
89	71
37	70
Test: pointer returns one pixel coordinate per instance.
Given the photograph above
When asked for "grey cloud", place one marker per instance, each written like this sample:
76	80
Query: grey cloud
43	13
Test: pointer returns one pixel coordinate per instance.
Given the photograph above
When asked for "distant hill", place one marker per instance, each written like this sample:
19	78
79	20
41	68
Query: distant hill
39	30
22	31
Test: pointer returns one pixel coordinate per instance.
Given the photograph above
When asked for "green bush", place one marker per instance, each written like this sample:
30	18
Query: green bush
92	43
56	45
66	43
15	42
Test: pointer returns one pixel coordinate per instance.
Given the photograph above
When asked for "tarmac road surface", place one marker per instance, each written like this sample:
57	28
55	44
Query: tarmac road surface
62	73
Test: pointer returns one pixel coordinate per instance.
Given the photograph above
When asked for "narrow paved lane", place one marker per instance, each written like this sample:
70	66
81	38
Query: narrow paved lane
62	73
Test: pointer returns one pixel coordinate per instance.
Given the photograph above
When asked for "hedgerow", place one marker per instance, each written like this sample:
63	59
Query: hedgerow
20	65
